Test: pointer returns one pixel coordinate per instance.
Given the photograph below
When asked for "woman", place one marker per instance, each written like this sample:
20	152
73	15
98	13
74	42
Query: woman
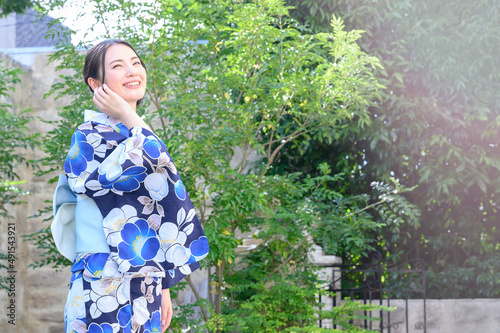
137	233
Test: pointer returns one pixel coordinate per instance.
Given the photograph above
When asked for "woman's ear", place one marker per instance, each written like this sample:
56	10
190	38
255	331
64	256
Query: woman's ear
93	83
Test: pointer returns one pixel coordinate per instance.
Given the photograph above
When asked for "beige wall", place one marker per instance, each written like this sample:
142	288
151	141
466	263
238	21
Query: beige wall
443	316
40	293
8	35
449	316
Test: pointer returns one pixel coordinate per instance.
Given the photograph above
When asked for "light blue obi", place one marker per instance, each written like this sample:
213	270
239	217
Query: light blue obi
77	225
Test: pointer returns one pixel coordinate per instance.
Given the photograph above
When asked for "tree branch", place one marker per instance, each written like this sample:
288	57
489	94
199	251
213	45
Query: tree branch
198	297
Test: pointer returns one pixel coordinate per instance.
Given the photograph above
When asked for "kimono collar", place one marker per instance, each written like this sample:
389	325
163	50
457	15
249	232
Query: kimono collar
102	118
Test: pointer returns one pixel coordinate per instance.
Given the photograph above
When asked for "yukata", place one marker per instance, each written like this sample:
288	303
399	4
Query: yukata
150	238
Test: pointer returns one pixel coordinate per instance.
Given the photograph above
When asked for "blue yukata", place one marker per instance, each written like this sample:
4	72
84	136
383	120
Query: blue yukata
136	229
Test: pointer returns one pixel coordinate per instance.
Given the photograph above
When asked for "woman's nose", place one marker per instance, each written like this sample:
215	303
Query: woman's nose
131	71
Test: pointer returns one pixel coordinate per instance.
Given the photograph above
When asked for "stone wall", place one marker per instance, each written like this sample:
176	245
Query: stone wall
442	316
40	293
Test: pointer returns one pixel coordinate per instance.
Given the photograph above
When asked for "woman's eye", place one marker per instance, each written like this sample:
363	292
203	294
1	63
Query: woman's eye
115	66
137	63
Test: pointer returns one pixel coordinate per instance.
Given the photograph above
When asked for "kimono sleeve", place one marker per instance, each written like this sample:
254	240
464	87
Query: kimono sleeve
173	276
102	160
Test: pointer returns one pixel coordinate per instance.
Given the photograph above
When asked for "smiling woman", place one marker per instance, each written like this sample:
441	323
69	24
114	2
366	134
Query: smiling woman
136	230
115	64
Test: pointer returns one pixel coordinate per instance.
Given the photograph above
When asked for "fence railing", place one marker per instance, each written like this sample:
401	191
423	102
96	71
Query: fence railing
377	283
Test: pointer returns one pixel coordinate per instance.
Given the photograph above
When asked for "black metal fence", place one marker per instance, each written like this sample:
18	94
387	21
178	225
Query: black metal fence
402	286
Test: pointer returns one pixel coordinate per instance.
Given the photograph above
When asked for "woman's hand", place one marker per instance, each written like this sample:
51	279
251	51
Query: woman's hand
116	107
166	309
111	103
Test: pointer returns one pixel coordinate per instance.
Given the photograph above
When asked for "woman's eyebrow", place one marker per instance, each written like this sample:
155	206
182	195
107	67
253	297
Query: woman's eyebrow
121	60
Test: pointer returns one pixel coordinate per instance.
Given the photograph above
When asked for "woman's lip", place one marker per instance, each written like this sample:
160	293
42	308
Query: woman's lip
135	86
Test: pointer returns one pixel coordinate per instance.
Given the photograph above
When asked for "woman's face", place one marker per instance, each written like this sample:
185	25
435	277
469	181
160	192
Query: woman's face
124	74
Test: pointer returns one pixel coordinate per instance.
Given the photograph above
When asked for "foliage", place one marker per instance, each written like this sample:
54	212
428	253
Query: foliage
356	212
436	126
13	126
15	138
315	15
10	195
349	311
18	6
230	84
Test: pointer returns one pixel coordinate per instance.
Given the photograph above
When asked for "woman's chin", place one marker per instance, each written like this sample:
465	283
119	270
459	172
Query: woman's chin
133	99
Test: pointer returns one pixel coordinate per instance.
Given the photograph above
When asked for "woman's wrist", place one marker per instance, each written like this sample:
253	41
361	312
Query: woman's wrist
132	119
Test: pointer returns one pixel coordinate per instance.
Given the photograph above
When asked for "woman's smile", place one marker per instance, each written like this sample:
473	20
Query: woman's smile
133	85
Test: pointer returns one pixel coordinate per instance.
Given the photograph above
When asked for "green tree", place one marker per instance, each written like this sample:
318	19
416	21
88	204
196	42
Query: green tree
15	138
18	6
230	84
436	126
13	130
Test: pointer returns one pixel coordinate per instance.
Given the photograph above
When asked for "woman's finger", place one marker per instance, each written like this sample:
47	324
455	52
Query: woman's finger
166	318
101	96
101	99
110	93
98	99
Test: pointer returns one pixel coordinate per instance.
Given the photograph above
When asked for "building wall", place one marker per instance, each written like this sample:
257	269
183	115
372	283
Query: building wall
8	31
